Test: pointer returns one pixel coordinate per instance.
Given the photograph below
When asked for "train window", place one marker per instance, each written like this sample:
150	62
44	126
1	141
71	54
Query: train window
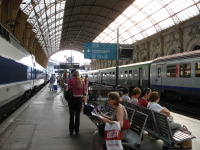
143	72
135	73
159	72
171	71
121	74
105	75
125	74
130	74
197	69
184	70
113	75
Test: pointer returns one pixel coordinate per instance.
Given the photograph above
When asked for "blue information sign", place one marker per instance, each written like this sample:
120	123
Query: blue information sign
100	50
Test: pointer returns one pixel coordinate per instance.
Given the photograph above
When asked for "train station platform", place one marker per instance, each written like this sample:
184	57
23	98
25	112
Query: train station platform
42	124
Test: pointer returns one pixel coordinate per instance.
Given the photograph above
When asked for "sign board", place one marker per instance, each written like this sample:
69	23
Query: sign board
100	50
126	54
56	67
67	66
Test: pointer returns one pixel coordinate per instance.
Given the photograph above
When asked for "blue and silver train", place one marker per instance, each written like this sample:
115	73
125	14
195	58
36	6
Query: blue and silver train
176	76
20	74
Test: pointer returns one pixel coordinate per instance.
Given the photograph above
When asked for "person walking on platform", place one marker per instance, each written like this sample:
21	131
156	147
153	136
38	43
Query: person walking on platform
78	88
52	80
145	96
86	80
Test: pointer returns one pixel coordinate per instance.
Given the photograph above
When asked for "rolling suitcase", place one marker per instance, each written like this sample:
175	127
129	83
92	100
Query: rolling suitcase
55	87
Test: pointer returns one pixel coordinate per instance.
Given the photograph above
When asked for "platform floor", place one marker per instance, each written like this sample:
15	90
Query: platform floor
42	124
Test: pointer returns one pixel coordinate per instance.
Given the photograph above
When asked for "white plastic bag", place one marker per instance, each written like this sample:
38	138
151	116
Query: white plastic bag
113	136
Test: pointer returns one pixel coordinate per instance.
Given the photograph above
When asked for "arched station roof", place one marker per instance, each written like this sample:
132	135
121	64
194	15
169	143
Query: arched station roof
67	24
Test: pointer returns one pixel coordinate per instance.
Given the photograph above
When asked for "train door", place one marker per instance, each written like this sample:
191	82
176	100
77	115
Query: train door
98	77
158	80
140	77
101	77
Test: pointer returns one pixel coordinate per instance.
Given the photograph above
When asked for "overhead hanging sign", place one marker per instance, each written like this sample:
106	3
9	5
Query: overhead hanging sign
100	50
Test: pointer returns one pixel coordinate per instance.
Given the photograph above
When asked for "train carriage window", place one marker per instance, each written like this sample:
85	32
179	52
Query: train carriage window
125	74
121	75
197	69
135	73
108	75
113	75
159	72
184	70
171	71
105	75
130	74
144	72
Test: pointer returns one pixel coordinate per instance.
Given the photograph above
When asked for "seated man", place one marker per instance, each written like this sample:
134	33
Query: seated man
125	96
153	105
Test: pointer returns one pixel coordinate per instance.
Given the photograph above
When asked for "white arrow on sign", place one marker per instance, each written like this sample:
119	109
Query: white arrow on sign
88	50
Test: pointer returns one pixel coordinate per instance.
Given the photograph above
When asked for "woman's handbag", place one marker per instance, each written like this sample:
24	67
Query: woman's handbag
69	94
112	136
88	109
186	144
126	125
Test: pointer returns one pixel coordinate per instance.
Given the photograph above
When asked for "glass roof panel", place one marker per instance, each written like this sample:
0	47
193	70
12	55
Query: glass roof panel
134	30
121	19
128	41
145	24
125	35
46	29
146	17
130	11
141	3
139	16
113	25
160	15
166	23
150	30
152	7
128	24
139	36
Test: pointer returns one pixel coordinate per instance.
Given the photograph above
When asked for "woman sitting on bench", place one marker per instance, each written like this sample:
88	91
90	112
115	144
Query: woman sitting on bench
119	114
153	105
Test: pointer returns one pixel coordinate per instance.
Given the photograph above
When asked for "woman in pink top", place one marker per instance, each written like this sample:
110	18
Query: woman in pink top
78	88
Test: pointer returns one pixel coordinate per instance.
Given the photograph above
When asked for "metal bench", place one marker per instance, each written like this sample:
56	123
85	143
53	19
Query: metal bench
134	135
130	113
151	126
158	126
165	134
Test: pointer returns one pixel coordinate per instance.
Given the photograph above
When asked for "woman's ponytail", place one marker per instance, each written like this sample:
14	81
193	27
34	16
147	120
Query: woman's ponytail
78	79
